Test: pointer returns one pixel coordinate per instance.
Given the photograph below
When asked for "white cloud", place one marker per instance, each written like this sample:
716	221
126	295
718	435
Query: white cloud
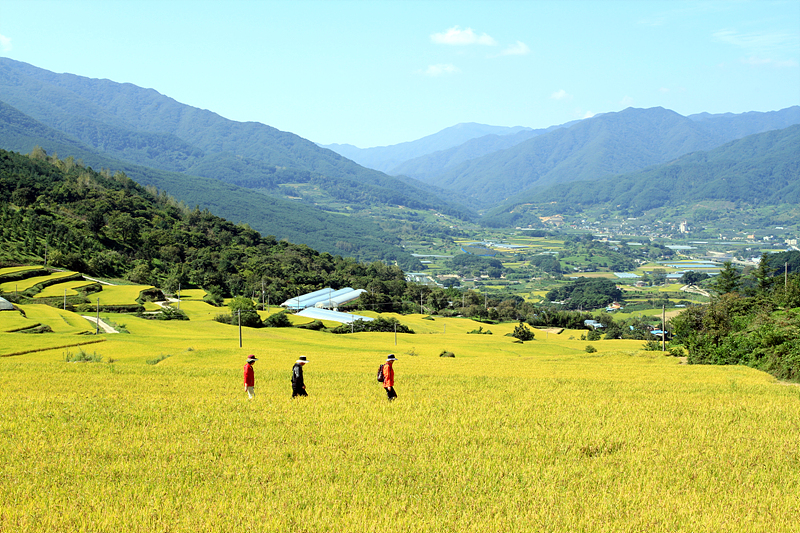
588	114
627	101
561	94
517	49
459	37
663	90
440	69
5	43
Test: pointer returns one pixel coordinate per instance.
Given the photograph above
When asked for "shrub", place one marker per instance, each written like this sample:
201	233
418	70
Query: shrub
479	331
445	353
590	348
316	325
278	320
224	319
83	357
213	297
158	359
379	324
593	335
652	346
523	332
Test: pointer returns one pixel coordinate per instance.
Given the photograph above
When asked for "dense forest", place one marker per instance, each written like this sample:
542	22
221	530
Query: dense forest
735	172
104	224
753	320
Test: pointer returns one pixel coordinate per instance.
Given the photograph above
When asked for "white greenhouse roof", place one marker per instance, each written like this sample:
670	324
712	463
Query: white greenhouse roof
335	316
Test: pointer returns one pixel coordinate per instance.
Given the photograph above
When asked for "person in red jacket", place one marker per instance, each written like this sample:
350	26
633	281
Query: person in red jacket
388	377
250	376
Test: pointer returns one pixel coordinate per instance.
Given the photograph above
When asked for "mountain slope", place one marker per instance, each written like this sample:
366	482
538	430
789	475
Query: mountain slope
284	219
386	158
760	169
735	126
433	164
143	127
104	224
605	145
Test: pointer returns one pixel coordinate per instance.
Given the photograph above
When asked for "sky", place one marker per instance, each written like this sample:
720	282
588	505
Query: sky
376	73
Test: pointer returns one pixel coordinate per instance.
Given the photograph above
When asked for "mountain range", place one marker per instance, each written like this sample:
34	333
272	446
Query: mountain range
605	145
757	170
287	186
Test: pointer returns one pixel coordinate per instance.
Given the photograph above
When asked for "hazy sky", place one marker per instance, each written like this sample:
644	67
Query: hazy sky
374	73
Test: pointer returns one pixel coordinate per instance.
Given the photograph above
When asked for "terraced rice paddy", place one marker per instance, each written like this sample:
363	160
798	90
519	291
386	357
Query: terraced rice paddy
540	436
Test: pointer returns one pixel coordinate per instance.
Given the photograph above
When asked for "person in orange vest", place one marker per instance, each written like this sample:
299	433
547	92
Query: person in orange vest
250	376
388	377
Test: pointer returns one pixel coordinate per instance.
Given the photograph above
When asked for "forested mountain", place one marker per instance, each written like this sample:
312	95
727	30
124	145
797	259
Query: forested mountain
386	158
433	164
143	127
105	224
605	145
758	169
735	126
285	219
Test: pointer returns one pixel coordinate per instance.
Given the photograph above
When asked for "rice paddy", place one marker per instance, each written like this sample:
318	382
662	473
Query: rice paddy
540	436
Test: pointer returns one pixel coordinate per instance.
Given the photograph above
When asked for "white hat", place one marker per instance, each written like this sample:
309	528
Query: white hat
302	359
391	357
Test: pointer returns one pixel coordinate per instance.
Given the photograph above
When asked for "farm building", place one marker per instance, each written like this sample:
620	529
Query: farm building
5	305
335	316
326	297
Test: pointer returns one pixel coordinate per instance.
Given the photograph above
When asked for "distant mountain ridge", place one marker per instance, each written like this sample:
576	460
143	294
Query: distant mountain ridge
143	127
433	164
285	219
386	158
760	169
605	145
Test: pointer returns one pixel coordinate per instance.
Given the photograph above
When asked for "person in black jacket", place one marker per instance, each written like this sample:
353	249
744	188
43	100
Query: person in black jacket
298	385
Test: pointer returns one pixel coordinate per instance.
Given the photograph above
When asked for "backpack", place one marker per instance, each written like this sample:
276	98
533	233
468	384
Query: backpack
380	373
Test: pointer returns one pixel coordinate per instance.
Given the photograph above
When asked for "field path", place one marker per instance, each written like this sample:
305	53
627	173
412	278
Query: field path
106	327
101	282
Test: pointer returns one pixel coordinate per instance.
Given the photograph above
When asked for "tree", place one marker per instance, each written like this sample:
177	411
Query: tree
728	279
247	309
763	273
693	278
523	332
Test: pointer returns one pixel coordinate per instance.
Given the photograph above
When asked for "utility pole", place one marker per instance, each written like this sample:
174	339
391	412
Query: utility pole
97	322
239	312
663	329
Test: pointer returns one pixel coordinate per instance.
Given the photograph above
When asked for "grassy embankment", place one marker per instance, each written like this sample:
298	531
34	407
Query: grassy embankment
506	436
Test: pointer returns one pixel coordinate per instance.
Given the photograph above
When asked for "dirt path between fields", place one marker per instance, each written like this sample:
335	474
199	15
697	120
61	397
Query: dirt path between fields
103	325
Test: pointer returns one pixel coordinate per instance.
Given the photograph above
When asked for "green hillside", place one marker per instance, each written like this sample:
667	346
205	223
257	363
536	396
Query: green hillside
270	215
108	225
145	128
603	146
759	169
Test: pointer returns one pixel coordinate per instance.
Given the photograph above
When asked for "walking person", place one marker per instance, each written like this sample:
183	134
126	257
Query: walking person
388	377
298	384
250	376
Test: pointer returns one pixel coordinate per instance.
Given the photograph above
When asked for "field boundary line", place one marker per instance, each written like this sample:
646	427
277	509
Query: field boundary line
53	348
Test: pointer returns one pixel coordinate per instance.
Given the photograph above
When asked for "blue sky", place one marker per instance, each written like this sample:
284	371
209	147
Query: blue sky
373	73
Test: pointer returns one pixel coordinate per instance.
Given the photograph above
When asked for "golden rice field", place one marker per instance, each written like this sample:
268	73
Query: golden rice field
23	284
540	436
